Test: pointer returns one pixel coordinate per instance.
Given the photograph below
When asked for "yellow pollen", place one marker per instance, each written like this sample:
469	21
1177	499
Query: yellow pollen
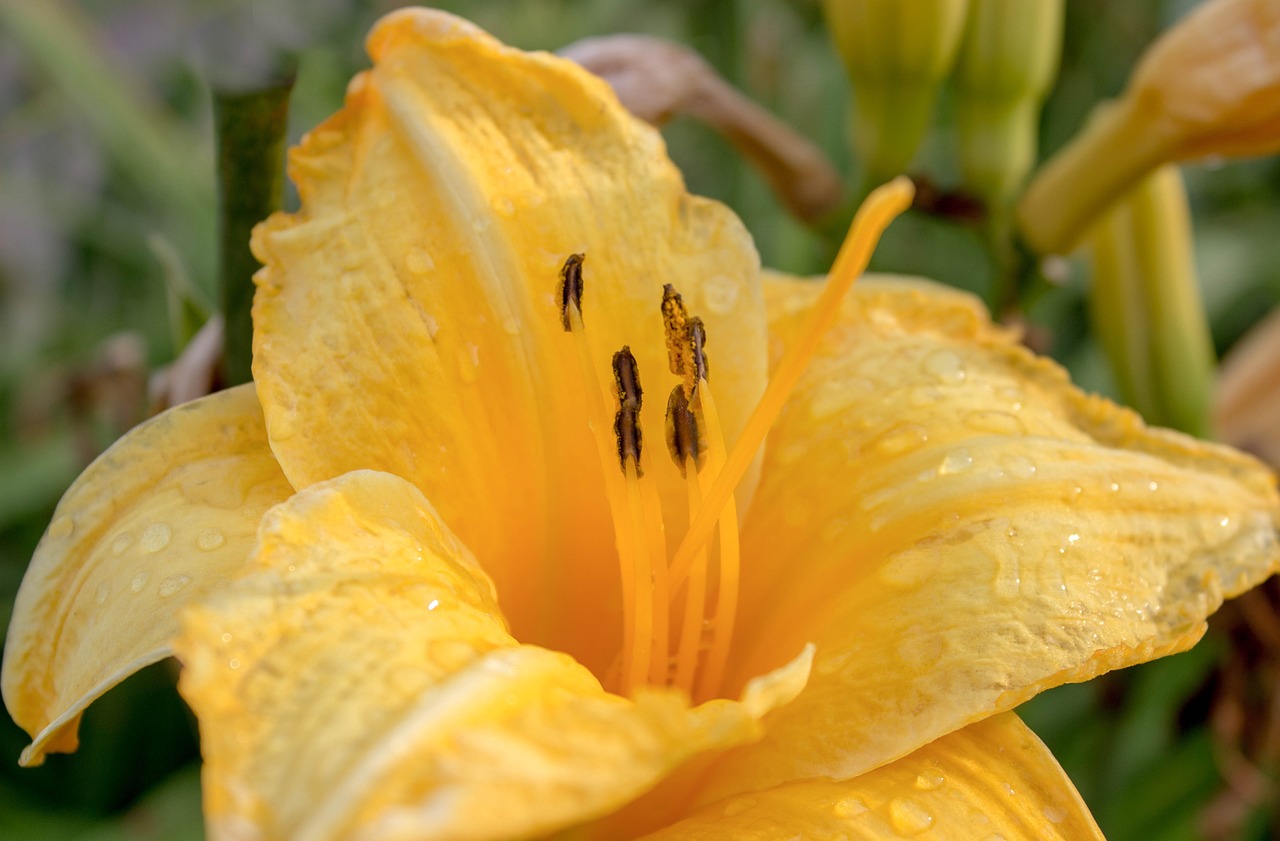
884	204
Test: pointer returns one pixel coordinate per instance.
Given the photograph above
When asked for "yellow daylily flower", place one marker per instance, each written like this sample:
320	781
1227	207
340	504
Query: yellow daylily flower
484	607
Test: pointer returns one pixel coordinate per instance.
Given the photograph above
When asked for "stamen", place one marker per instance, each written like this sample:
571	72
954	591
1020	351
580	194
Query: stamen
883	205
684	443
626	423
571	289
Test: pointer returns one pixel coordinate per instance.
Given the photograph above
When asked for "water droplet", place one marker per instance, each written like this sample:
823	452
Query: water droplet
469	363
930	779
511	326
1008	575
1115	486
909	817
738	805
849	807
957	461
1153	486
997	423
210	539
1073	539
104	590
720	293
139	581
504	207
62	527
1054	814
899	438
433	604
1019	467
1224	522
122	542
173	584
155	537
226	637
945	365
1010	790
838	396
234	662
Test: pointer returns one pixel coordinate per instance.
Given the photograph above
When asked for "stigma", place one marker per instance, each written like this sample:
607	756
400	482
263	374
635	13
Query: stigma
679	610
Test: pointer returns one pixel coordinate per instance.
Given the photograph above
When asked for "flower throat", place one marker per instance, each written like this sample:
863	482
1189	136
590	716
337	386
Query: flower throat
679	611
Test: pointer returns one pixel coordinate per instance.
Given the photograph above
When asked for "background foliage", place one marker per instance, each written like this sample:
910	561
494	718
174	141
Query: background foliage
106	214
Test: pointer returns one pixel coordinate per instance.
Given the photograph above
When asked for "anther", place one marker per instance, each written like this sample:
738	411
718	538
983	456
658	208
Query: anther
683	440
626	423
675	320
571	289
698	349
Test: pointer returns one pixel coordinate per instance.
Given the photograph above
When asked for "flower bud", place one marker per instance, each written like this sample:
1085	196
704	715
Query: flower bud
1146	306
1007	63
897	54
1208	86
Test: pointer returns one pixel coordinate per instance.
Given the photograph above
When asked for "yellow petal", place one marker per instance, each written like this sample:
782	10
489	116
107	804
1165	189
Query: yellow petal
162	517
957	528
358	682
991	780
408	320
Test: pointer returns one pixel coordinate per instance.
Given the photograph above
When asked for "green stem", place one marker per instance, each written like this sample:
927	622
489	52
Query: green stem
251	138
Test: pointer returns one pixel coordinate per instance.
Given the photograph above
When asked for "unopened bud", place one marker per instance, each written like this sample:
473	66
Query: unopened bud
1146	305
898	54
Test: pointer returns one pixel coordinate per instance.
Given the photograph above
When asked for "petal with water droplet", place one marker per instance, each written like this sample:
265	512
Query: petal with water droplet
334	705
964	796
141	547
984	562
497	165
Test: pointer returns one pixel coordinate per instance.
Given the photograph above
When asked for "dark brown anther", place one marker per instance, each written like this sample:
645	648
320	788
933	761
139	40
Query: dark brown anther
626	423
571	288
675	319
683	441
698	348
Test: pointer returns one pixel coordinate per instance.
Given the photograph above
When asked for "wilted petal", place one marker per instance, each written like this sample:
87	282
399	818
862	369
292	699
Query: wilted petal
957	528
165	515
358	682
408	318
993	780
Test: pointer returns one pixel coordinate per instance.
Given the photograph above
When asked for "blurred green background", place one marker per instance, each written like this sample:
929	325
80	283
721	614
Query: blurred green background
107	207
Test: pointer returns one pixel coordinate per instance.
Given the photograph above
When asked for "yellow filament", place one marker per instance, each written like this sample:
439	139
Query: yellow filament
884	204
654	568
728	557
695	593
624	534
636	661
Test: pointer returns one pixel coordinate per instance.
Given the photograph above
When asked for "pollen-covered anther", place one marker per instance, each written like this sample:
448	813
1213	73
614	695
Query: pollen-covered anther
684	441
571	289
626	423
686	339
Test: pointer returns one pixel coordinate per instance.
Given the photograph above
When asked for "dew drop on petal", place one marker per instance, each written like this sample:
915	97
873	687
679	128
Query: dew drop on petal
997	423
155	537
956	461
234	662
104	590
720	293
909	817
945	365
139	581
1019	467
849	807
62	527
899	438
173	584
511	326
226	637
122	542
930	779
1008	575
210	539
1054	814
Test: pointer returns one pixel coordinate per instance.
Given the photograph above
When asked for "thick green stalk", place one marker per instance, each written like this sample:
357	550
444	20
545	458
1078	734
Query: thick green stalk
251	138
